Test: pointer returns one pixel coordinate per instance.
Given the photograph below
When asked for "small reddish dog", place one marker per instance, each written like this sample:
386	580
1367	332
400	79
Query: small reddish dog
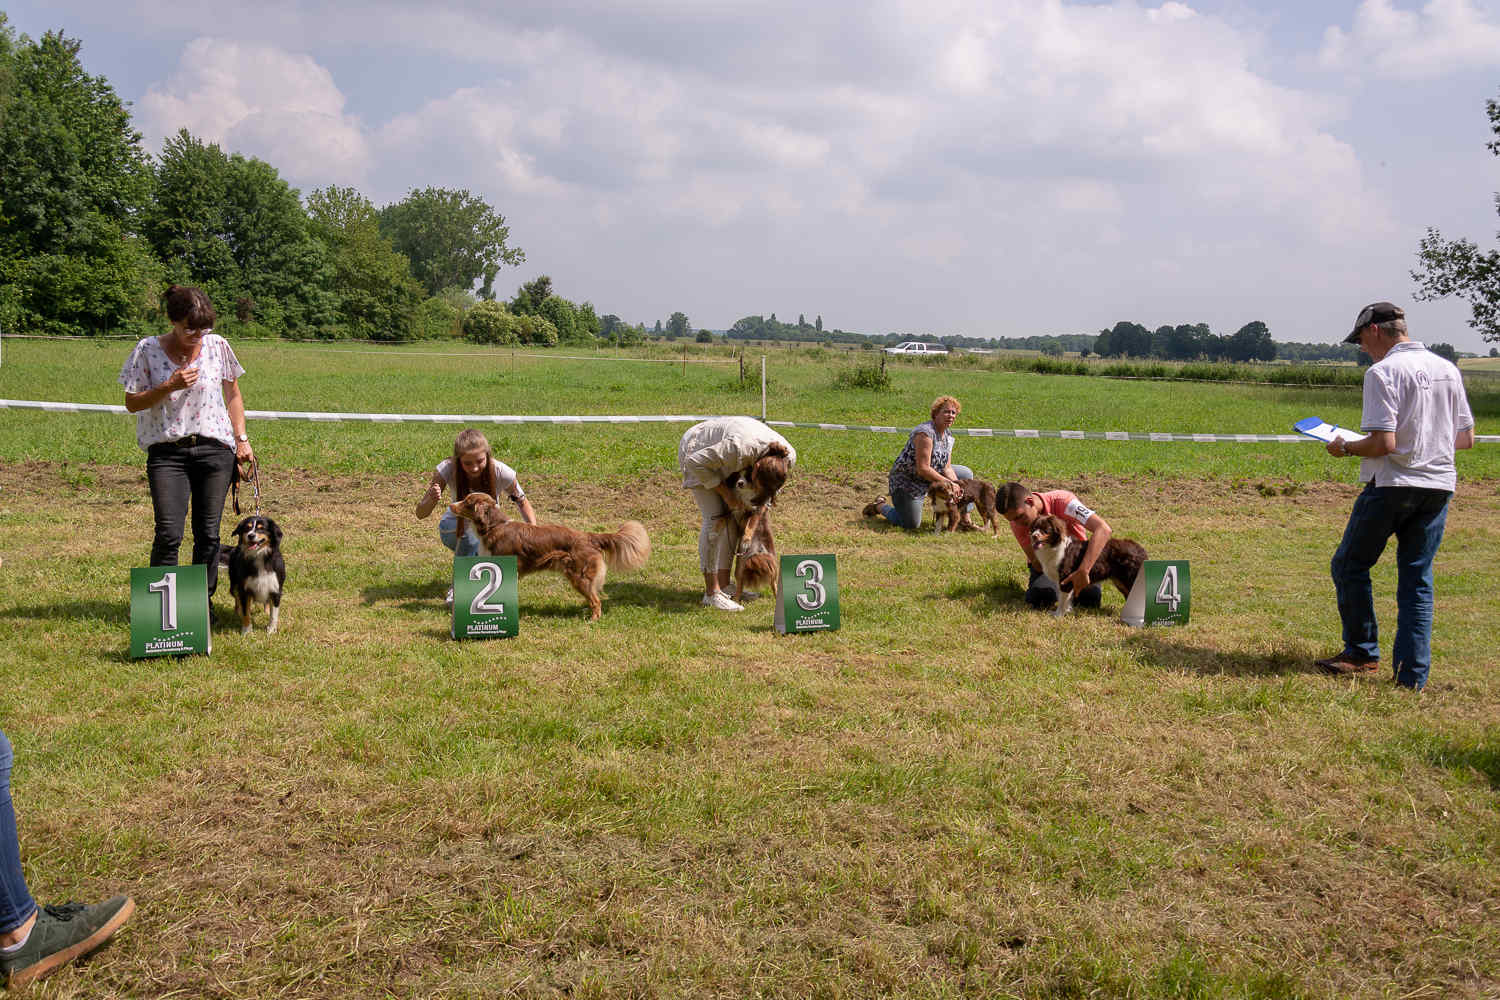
755	562
975	491
581	556
1060	554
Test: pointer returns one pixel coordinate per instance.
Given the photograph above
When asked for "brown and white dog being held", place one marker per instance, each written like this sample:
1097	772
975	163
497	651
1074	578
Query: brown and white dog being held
755	562
1060	554
581	556
975	491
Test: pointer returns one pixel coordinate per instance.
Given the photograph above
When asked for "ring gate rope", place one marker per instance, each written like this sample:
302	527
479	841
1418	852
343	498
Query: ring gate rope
477	418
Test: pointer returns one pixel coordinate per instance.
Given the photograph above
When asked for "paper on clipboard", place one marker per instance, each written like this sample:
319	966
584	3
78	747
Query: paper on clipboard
1322	430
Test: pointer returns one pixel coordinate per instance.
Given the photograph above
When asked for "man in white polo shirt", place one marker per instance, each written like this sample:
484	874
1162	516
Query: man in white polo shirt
1415	416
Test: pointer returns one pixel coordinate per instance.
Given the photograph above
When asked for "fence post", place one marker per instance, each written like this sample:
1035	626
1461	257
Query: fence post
762	387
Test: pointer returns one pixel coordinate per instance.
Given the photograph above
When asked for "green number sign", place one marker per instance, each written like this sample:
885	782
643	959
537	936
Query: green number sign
809	600
485	604
1161	595
169	611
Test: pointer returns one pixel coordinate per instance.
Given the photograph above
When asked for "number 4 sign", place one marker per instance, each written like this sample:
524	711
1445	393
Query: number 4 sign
485	604
1161	595
809	598
169	611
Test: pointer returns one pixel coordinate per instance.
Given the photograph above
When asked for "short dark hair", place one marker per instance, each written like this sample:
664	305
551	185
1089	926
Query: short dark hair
184	302
1012	495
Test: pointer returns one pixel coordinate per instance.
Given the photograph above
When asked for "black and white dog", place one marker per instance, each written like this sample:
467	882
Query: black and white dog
256	570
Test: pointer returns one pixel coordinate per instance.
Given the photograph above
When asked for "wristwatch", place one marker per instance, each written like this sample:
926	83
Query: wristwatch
242	437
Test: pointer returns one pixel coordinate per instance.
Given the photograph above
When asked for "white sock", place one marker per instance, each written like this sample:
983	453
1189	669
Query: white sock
19	944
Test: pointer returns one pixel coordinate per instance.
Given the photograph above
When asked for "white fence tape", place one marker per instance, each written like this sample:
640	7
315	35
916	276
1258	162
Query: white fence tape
684	418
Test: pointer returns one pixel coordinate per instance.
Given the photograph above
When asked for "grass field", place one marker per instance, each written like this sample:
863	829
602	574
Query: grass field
951	796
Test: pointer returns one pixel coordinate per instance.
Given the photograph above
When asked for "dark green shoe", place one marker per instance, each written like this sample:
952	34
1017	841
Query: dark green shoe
61	934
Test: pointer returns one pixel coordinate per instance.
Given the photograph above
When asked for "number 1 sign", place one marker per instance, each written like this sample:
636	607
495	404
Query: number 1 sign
169	611
809	599
485	603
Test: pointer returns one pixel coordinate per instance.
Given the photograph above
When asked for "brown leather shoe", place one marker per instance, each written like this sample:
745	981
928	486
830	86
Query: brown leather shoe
1346	664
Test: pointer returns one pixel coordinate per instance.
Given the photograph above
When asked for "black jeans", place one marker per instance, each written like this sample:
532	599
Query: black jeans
199	469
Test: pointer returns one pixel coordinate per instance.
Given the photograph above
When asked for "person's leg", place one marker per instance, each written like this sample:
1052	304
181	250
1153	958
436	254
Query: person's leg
166	474
1041	593
904	511
964	472
715	549
1364	540
16	905
210	471
1417	539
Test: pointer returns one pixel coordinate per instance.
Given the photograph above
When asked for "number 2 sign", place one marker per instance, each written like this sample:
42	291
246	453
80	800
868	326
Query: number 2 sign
485	604
169	611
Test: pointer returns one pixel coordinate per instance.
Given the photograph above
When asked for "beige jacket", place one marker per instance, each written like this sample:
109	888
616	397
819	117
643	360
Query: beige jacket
720	447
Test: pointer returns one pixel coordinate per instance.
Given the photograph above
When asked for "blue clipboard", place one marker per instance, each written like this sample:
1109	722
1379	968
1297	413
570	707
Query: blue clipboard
1321	430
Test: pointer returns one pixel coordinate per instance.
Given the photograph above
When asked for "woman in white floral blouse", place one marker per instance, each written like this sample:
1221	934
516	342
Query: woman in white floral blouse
184	388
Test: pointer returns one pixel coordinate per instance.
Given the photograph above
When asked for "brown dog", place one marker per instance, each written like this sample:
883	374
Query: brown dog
976	491
581	556
1060	553
755	562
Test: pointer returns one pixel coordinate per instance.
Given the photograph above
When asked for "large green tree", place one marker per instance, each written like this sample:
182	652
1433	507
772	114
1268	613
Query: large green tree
73	180
1459	267
372	283
452	238
231	225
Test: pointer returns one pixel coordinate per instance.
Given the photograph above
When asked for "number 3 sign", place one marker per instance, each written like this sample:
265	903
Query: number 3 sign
169	611
809	599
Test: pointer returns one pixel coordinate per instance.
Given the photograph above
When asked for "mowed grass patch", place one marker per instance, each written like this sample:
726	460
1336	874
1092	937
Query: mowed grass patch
951	796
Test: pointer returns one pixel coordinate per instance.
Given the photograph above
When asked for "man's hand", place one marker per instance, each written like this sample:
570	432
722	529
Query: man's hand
1076	581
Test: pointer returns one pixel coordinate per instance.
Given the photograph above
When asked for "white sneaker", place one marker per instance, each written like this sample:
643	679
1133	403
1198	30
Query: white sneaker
448	600
721	601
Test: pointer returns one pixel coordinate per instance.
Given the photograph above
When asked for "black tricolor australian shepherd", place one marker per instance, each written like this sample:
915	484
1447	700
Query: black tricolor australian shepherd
1060	553
256	570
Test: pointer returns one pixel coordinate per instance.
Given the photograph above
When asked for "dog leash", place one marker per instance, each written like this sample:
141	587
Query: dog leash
253	478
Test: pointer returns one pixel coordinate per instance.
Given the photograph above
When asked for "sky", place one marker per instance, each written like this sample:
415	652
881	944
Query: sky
979	167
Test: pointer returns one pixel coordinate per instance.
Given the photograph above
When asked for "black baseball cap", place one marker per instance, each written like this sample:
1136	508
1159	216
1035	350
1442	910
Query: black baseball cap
1375	312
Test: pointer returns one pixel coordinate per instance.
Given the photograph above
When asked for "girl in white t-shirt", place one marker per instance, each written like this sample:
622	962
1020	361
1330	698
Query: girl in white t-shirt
472	469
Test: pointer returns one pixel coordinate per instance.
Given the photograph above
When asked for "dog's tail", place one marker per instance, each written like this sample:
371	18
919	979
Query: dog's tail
628	548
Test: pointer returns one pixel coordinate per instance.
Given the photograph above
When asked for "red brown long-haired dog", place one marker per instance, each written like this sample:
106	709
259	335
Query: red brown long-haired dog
755	562
581	556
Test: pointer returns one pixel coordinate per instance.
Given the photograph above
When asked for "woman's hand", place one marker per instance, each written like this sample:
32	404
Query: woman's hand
182	378
955	491
243	453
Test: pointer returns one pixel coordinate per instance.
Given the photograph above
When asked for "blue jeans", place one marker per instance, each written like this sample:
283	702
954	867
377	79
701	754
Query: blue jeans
179	473
16	904
1416	517
906	512
460	542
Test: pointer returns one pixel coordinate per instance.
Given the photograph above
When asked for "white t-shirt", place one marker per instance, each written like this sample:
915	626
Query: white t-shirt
1420	397
198	409
505	479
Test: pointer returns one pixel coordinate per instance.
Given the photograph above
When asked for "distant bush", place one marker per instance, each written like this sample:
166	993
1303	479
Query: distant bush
490	323
863	377
436	319
536	330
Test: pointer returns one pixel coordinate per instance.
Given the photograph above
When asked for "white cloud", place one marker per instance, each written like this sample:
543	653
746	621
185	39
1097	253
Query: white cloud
1444	37
282	107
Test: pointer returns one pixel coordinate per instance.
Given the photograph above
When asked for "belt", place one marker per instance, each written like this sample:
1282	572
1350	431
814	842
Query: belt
190	441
